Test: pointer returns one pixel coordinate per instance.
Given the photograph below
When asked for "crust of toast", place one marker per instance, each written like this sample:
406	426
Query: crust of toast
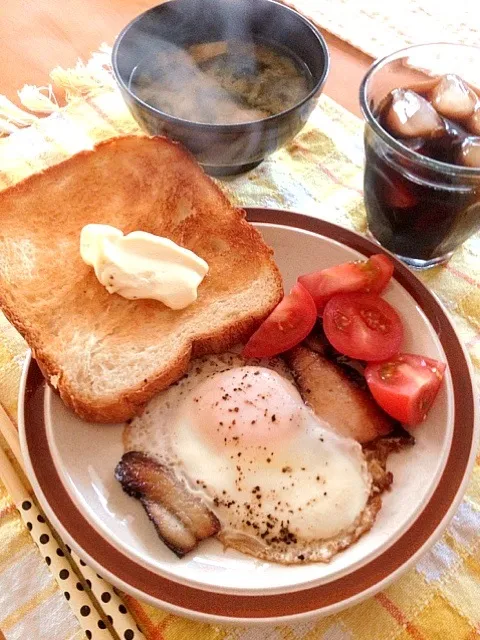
90	345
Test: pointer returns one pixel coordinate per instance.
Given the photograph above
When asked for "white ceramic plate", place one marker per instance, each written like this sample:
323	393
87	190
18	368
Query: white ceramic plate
83	455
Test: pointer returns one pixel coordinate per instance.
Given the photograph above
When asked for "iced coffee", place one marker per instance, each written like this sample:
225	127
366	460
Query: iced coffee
422	179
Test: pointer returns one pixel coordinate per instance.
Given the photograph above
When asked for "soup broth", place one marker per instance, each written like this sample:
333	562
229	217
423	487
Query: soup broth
222	82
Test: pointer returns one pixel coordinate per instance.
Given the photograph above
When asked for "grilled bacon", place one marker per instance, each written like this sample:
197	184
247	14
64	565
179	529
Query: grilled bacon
337	399
377	452
181	519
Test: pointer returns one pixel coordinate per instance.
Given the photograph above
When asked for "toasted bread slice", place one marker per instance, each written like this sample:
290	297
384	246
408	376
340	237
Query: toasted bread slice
107	355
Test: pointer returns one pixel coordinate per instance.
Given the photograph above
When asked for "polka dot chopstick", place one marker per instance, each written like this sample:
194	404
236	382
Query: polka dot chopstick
117	613
120	621
81	605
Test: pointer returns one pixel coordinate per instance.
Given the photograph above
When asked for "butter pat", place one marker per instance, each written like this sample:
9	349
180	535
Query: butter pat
142	265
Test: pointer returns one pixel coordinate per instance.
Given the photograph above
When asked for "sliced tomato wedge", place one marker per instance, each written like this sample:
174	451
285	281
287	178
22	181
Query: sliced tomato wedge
289	323
371	276
406	386
362	326
385	268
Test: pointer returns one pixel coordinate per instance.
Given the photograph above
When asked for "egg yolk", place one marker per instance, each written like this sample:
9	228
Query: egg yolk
246	406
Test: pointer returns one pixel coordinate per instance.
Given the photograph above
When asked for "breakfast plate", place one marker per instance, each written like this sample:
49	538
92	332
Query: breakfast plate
70	464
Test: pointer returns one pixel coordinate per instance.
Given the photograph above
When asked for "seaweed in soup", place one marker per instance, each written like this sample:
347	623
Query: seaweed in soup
222	82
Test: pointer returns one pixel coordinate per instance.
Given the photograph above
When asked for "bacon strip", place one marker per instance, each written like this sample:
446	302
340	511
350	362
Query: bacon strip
181	519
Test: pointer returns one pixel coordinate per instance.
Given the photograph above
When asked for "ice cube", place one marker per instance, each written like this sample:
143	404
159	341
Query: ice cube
473	123
411	116
456	133
470	152
452	98
414	144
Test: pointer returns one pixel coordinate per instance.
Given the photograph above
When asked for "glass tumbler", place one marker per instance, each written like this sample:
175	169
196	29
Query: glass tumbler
420	207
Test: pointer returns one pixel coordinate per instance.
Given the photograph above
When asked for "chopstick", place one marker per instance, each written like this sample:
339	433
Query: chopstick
63	562
67	579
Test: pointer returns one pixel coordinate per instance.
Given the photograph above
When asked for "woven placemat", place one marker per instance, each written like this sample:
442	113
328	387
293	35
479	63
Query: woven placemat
379	27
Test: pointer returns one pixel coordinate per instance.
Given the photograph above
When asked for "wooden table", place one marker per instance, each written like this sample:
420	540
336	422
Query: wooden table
37	35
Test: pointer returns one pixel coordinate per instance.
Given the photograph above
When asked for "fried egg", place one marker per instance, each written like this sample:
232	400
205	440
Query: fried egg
284	486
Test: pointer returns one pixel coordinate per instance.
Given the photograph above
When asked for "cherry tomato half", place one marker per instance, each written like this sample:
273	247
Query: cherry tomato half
371	276
362	326
289	323
405	386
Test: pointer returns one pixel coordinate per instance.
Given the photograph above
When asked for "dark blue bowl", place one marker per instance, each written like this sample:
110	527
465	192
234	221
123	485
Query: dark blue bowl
222	149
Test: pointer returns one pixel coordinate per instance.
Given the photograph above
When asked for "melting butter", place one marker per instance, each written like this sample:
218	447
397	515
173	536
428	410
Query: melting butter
142	265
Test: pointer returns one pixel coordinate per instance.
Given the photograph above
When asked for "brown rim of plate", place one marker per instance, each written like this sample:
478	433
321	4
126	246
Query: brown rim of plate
262	607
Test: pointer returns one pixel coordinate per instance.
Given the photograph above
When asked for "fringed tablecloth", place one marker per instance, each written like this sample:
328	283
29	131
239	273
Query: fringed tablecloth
319	173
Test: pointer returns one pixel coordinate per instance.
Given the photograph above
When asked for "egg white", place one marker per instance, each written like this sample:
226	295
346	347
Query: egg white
284	486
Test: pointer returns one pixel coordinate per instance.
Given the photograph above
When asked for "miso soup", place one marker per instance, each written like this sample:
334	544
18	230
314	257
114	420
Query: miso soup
224	82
